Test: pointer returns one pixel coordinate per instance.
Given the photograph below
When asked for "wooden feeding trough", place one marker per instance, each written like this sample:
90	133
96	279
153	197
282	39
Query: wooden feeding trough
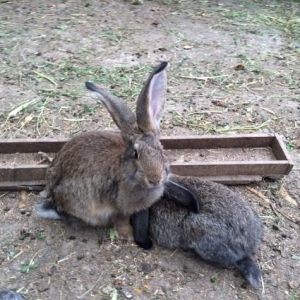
229	159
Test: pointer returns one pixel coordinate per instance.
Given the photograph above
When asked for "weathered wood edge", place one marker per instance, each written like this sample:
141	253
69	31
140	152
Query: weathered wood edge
218	141
281	152
231	168
30	185
171	142
38	185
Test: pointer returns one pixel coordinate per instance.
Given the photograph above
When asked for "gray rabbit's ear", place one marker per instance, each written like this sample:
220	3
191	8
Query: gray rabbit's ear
140	227
151	100
119	111
182	196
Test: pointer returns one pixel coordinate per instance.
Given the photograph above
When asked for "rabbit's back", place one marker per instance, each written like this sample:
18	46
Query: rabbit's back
80	171
226	223
84	152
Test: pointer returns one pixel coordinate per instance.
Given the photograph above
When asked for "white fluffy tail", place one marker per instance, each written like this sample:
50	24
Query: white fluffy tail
46	210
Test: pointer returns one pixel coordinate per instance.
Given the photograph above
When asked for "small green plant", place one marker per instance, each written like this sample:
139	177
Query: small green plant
27	266
290	146
89	109
40	235
114	295
112	234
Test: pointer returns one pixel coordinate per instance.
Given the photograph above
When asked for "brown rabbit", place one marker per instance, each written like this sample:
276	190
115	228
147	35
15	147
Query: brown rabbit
103	177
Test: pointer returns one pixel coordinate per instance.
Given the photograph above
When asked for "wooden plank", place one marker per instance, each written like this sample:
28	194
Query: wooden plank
240	179
31	145
262	168
33	185
180	142
281	152
22	173
218	141
39	185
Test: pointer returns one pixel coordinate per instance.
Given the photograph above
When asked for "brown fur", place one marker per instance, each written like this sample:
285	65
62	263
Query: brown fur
103	177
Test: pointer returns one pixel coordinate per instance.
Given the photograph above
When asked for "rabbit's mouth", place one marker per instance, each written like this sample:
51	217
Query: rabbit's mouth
153	189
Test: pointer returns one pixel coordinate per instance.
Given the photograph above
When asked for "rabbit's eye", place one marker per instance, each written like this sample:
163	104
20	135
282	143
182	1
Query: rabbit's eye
135	154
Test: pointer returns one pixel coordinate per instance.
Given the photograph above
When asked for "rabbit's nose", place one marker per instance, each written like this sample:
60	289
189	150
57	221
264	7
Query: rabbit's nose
154	179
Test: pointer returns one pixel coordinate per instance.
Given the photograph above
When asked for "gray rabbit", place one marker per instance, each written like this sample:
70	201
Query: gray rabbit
102	177
226	231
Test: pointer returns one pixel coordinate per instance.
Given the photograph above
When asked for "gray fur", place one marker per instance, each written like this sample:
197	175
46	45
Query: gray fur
10	295
101	176
226	231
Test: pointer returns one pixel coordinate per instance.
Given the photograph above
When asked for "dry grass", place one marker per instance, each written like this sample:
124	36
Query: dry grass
61	81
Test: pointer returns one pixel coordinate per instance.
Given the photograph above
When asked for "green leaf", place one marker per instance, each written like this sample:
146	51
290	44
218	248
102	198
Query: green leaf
114	295
112	234
290	146
20	107
40	235
26	267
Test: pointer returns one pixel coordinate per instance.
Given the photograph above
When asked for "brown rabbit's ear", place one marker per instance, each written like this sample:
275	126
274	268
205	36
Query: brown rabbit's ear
119	111
151	100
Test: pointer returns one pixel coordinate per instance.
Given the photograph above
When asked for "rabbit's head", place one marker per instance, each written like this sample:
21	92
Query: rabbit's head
143	158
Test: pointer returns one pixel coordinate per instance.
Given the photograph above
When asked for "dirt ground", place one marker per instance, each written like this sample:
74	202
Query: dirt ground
234	69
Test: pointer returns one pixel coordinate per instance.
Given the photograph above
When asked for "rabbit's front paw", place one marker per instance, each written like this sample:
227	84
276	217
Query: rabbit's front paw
123	228
125	234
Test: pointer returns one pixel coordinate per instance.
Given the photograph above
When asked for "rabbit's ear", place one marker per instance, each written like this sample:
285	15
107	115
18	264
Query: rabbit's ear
140	225
182	196
151	100
119	111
